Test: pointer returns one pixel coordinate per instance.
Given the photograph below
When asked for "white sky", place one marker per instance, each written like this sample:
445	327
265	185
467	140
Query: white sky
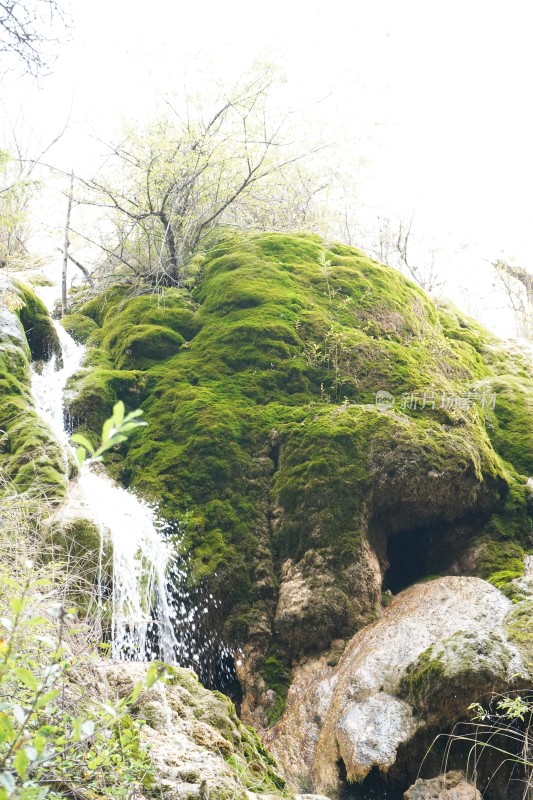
430	102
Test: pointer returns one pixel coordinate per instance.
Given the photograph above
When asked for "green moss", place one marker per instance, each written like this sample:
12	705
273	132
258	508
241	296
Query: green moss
510	421
38	327
504	539
79	326
277	677
255	765
30	458
213	723
449	675
519	626
88	554
138	346
91	394
81	541
40	280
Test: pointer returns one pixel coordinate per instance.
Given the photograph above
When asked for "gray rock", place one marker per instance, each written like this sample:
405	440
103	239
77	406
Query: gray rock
198	747
452	786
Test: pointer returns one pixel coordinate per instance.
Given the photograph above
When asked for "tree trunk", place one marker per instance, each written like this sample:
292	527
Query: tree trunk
66	246
172	275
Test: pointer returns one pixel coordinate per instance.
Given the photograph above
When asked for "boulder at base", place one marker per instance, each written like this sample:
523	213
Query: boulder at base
438	647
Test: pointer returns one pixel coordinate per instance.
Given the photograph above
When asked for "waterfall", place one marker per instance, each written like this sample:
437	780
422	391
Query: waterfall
144	613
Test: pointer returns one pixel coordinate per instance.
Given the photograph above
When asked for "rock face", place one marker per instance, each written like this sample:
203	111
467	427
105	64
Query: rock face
297	495
198	746
438	647
452	786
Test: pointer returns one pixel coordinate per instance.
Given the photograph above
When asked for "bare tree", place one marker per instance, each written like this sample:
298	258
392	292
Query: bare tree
518	284
286	200
27	30
66	246
166	187
395	247
18	184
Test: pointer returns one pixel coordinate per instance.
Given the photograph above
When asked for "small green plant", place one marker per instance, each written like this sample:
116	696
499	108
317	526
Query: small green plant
501	729
115	430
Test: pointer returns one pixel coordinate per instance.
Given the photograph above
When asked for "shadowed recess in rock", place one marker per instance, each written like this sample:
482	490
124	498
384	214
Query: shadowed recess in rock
408	556
374	787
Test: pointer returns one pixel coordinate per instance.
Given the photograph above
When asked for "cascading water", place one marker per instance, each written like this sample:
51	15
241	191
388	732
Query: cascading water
144	613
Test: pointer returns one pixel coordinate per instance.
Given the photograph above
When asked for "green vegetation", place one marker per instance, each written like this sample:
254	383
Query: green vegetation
519	626
233	758
505	539
58	737
115	430
499	733
277	678
54	735
264	440
510	423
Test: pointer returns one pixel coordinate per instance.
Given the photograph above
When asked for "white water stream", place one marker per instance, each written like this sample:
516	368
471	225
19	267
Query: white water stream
144	615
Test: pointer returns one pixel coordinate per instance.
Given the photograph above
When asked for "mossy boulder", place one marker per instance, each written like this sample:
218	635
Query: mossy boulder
85	548
79	326
93	392
436	649
450	674
30	457
40	332
138	346
265	440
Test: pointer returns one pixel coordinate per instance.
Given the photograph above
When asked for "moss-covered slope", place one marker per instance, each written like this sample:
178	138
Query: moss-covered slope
265	439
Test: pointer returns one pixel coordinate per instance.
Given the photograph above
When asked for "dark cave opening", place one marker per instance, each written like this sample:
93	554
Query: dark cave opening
374	787
409	556
430	550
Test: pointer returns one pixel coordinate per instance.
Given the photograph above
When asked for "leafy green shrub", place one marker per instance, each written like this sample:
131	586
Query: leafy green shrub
52	737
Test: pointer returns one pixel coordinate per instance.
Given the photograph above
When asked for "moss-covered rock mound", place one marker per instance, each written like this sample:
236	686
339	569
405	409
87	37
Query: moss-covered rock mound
312	416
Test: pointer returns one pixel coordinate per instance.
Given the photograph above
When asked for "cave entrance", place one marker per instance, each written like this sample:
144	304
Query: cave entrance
409	554
374	787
